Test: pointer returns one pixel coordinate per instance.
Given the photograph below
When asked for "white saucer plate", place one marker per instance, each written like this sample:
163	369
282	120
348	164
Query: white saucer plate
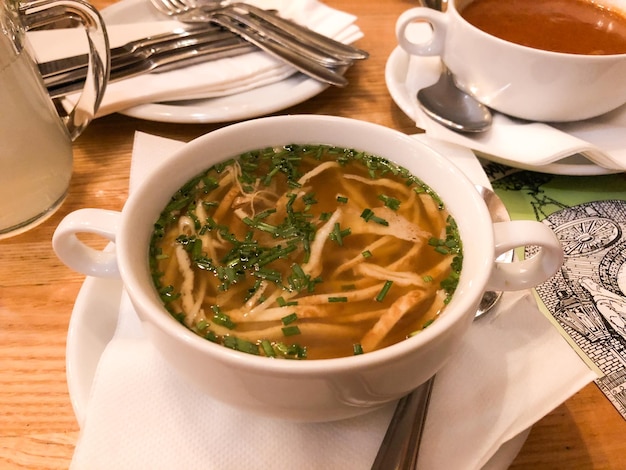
92	326
395	76
254	103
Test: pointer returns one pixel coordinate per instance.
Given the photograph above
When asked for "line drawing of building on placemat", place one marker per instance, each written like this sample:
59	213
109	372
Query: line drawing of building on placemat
587	297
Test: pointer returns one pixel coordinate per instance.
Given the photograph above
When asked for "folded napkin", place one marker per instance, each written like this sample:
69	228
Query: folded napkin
531	144
512	369
205	80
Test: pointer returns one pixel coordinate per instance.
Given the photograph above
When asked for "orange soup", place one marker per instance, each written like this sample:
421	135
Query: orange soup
570	26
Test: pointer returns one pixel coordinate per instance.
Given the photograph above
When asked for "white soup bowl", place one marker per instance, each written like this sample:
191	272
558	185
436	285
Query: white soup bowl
308	390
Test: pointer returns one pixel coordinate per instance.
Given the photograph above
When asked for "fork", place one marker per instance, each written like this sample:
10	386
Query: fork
270	19
309	59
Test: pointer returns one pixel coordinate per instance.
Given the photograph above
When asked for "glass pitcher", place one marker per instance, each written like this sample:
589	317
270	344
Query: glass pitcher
35	135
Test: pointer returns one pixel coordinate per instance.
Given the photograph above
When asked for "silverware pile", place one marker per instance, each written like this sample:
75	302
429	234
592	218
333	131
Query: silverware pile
217	32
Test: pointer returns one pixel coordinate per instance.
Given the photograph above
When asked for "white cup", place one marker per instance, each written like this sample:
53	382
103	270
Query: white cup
309	390
521	81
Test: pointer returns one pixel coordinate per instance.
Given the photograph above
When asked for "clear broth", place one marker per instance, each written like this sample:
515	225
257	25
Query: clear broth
305	252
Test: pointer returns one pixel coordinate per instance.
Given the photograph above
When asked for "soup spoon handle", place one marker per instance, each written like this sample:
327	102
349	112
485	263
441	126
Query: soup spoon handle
401	443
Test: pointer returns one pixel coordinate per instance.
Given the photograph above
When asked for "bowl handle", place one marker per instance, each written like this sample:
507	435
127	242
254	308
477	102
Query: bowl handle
527	273
78	255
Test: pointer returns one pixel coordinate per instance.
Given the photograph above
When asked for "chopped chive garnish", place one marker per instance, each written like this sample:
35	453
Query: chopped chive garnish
309	200
292	317
368	214
283	303
367	254
268	350
293	351
383	293
220	318
242	345
391	202
168	294
357	349
291	198
269	275
342	199
300	281
291	330
427	278
337	235
211	336
337	299
264	214
263	226
380	220
435	241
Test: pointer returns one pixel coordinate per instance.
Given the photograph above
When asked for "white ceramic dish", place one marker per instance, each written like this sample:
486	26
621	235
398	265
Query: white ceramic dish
92	326
395	75
258	102
316	390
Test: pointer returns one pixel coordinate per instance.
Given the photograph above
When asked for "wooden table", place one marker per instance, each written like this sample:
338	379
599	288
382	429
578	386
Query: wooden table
37	292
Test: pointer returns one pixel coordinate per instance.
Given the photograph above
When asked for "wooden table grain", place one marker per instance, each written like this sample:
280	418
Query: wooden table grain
37	292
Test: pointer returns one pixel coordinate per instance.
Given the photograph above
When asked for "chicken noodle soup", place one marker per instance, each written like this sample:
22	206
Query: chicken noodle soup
305	252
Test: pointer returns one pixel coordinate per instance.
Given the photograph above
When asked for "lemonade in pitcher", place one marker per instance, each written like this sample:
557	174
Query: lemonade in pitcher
36	151
35	141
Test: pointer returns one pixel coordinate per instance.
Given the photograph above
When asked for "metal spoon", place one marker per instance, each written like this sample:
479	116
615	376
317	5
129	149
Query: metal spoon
451	107
498	213
400	447
448	105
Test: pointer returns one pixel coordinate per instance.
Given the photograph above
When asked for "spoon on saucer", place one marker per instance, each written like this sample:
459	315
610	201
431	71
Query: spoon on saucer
451	107
446	103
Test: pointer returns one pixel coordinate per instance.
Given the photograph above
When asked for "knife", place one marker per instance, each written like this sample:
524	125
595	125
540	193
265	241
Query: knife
139	46
55	71
73	80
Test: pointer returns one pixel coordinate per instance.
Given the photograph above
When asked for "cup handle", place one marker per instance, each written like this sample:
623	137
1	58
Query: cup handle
437	20
527	273
79	256
39	13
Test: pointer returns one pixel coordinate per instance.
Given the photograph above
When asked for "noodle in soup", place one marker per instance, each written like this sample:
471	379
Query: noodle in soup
305	251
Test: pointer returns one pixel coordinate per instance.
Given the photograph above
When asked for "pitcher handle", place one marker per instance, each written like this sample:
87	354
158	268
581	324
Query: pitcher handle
38	13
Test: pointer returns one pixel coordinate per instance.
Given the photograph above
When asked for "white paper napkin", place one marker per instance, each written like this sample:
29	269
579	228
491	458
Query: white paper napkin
206	80
512	369
531	144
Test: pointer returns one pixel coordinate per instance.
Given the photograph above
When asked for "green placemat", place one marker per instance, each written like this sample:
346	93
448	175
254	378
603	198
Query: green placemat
586	299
